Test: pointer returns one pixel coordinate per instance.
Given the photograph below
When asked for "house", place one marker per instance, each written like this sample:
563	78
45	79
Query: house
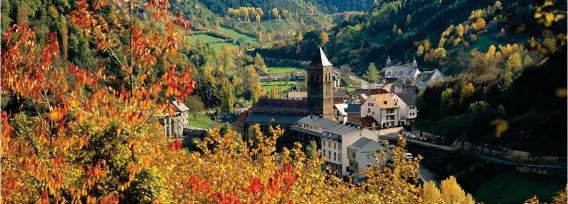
392	73
429	77
339	110
408	77
353	111
311	128
273	112
365	153
174	124
336	79
383	108
366	122
407	111
334	143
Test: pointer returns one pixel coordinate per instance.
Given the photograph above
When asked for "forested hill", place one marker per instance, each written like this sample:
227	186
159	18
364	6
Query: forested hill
398	28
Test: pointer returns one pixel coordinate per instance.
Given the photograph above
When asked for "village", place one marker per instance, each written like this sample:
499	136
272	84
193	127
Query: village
350	129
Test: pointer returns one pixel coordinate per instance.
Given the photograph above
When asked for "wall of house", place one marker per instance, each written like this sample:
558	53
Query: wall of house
331	150
349	139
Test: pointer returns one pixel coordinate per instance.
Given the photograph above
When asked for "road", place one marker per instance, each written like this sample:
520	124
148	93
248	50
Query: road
427	175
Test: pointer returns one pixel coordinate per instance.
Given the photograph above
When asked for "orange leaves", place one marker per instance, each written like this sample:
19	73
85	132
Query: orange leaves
255	186
175	145
58	113
81	16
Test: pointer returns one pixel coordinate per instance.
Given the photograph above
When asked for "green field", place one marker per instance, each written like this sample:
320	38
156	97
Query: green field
275	25
200	121
280	84
203	38
283	70
515	187
237	35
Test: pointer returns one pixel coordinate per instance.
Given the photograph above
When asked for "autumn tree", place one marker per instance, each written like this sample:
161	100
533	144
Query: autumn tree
466	93
479	25
451	192
324	38
372	74
86	136
514	62
275	13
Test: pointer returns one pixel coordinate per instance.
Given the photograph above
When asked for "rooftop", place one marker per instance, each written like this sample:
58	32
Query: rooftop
409	98
320	58
366	121
354	108
180	107
318	122
280	106
276	118
384	100
361	143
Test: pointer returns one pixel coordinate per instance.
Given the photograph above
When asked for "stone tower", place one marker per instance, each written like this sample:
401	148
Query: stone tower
320	86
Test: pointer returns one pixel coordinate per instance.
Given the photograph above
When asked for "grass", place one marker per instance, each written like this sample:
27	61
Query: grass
237	35
203	38
283	70
280	84
200	121
275	25
516	187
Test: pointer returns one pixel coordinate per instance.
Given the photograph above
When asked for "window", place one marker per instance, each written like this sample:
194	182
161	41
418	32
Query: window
334	146
368	156
329	144
368	110
373	113
385	102
324	152
329	155
334	156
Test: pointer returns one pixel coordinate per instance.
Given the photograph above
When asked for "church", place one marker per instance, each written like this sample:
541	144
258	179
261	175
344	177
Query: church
285	112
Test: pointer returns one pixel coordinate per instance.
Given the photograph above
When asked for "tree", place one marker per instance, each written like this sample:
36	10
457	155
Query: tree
64	37
259	63
324	38
275	13
399	32
345	74
87	135
227	96
420	50
23	13
194	104
408	19
479	25
394	28
514	62
447	102
451	192
478	106
466	93
430	193
372	74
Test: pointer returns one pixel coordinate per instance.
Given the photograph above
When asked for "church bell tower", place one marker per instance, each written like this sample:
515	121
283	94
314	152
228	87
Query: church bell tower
320	86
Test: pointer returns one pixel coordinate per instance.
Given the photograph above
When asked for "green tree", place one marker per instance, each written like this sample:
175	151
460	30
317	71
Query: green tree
227	96
478	106
194	104
23	13
259	63
372	74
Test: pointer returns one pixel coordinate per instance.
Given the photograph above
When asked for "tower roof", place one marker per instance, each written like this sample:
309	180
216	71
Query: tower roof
320	58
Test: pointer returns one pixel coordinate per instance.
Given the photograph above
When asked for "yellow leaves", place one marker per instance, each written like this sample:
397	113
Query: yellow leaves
500	127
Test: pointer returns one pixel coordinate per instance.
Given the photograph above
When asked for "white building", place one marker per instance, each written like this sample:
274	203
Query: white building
334	143
339	111
174	124
384	108
407	110
360	156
